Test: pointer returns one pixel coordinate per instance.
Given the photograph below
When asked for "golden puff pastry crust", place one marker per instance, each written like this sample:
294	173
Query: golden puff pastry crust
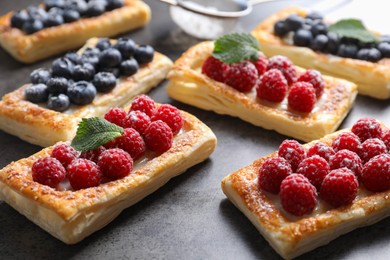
41	126
187	84
291	236
373	79
54	40
73	215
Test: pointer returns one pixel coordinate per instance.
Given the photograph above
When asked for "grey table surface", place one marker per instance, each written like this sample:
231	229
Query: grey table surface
188	218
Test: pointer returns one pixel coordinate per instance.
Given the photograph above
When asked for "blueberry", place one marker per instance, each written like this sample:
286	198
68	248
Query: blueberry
54	19
84	71
32	26
104	81
280	28
319	28
144	54
79	5
314	16
333	43
95	8
36	93
347	50
54	3
19	18
81	93
384	48
294	22
94	51
369	54
302	38
110	58
319	43
114	71
71	15
129	67
114	4
58	103
57	85
90	57
103	43
126	47
73	57
62	67
40	76
37	13
385	38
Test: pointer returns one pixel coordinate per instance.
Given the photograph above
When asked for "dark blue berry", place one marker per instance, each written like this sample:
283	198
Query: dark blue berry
54	19
79	5
369	54
90	57
104	81
81	93
110	58
74	57
319	43
126	47
84	71
144	54
114	4
103	43
36	93
37	13
32	26
384	48
294	22
57	85
347	50
333	43
280	29
58	103
62	67
40	76
302	38
113	70
385	38
71	15
19	18
129	67
95	8
314	16
319	28
54	3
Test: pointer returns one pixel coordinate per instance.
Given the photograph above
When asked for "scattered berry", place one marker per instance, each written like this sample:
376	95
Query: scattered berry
261	64
302	97
64	153
93	155
83	173
137	120
348	159
315	169
115	163
272	172
315	78
372	147
158	136
48	171
366	128
214	68
144	104
171	116
285	66
116	116
293	152
321	149
131	141
347	140
376	173
272	86
241	76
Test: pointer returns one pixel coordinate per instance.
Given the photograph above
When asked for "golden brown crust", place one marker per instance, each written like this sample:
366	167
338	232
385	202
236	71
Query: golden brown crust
54	40
39	125
74	215
189	85
373	79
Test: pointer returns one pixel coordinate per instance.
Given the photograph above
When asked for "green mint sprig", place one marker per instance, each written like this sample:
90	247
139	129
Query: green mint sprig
94	132
236	47
354	29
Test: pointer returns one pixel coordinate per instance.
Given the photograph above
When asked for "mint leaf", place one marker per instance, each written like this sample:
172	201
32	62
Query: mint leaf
94	132
236	47
353	28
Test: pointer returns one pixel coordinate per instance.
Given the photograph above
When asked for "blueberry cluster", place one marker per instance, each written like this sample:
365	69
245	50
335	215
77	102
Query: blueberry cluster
57	12
77	78
312	32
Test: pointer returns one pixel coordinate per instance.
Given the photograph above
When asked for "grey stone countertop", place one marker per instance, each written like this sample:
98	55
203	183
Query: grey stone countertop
189	217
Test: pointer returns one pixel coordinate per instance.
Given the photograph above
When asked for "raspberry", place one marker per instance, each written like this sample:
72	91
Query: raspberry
144	104
64	153
386	138
302	97
297	195
241	76
376	173
158	136
367	128
285	66
115	163
372	147
131	141
315	78
315	169
93	155
293	152
261	64
214	68
171	116
48	171
321	149
272	86
137	120
83	173
272	173
116	116
348	159
347	140
339	187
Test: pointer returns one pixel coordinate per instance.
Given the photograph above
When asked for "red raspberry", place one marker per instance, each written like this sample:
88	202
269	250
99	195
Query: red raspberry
367	128
131	141
115	163
347	140
386	138
302	97
48	171
339	187
272	86
158	136
241	76
64	153
376	173
144	104
315	78
315	169
293	152
261	64
348	159
83	173
93	155
285	66
321	149
297	195
137	120
272	173
116	116
372	147
214	68
171	116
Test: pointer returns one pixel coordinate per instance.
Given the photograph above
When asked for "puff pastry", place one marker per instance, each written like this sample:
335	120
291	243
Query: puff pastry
373	79
291	236
187	84
41	126
54	40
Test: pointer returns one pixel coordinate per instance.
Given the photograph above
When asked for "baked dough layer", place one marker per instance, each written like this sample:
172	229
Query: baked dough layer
54	40
187	84
373	79
291	236
72	215
41	126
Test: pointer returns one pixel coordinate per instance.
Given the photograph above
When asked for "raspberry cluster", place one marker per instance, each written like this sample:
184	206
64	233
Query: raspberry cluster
146	126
